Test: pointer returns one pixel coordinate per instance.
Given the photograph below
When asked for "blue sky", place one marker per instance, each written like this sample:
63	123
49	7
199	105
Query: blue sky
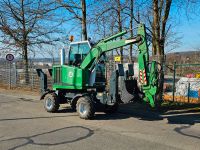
185	22
190	31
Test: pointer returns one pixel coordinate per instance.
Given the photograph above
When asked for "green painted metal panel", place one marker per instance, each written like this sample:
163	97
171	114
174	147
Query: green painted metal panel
150	87
70	77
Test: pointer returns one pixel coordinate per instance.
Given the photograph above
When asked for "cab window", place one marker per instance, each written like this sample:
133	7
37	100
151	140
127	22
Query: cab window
78	52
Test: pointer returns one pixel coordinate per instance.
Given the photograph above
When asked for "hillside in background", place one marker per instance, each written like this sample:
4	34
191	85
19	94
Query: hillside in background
183	57
179	57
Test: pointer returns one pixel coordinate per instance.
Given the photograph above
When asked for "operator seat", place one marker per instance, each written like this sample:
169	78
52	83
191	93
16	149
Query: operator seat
77	60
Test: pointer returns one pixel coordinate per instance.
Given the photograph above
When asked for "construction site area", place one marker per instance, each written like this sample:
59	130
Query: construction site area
134	125
99	75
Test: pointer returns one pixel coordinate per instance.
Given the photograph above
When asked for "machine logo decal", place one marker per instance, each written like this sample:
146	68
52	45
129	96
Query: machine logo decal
70	74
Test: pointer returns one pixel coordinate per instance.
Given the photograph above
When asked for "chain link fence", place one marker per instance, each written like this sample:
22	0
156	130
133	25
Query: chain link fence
182	83
13	75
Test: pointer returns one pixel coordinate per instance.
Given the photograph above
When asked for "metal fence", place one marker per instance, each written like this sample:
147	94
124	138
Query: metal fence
13	75
182	83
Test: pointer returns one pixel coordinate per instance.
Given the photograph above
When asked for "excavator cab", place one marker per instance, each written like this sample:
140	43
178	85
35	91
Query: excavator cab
77	52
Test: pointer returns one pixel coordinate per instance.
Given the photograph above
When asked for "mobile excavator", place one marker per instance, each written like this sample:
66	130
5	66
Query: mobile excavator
82	82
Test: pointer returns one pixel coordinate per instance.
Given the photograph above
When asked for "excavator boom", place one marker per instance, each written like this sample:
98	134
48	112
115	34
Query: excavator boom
103	47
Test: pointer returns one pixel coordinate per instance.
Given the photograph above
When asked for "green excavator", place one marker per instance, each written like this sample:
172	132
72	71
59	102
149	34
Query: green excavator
82	81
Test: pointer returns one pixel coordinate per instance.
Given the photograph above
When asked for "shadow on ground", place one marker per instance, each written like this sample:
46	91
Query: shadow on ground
31	118
50	138
183	131
182	116
142	112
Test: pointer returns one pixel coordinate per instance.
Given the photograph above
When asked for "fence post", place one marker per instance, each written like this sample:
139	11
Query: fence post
10	75
15	74
188	92
32	81
174	78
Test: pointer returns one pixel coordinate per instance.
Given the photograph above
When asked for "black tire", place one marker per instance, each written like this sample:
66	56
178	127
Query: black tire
51	103
73	103
111	109
73	106
85	108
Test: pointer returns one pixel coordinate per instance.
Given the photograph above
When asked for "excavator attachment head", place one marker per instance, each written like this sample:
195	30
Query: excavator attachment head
127	85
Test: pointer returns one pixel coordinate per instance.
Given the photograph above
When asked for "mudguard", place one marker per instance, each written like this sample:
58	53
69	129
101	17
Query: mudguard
76	97
45	93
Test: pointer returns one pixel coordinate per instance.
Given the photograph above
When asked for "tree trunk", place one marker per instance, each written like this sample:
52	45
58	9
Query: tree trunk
25	61
156	50
156	27
120	26
131	28
25	45
84	21
159	35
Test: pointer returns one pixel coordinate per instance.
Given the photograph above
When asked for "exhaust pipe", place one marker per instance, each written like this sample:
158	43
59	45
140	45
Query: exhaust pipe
62	56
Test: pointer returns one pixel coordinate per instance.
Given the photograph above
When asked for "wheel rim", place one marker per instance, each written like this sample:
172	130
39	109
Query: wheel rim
48	103
82	108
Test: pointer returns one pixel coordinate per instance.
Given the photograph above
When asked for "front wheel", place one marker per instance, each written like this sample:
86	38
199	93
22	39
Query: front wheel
85	107
51	102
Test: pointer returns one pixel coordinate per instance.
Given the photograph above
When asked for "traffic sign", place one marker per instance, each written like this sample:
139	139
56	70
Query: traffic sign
10	57
117	58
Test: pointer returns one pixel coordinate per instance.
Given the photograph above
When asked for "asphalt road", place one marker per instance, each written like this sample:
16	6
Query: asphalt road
25	125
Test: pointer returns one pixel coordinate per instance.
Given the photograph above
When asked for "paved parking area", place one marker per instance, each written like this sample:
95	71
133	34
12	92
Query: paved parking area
25	125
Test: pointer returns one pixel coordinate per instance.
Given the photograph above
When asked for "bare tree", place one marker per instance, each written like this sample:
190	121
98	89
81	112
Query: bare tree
114	12
25	25
161	9
77	11
161	31
129	11
99	19
131	29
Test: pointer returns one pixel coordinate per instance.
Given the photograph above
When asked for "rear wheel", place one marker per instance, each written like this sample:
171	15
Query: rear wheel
51	103
85	107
